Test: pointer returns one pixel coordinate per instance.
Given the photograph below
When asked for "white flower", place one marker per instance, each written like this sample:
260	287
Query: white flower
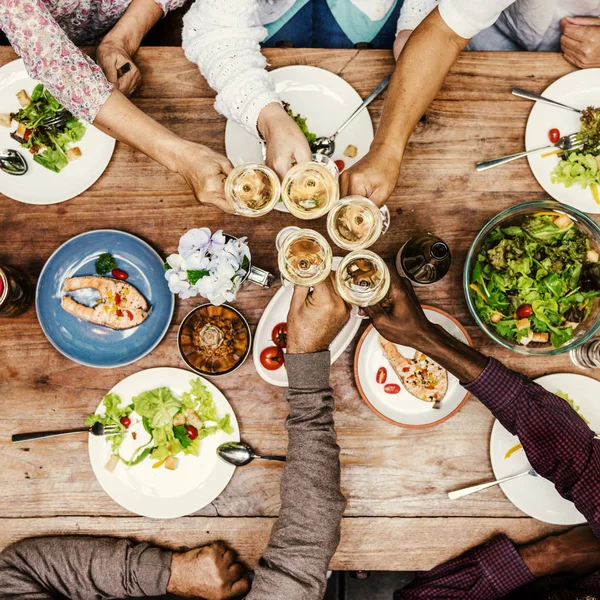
179	286
193	240
198	261
176	262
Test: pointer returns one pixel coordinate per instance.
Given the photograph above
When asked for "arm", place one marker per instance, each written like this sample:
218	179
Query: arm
411	15
294	565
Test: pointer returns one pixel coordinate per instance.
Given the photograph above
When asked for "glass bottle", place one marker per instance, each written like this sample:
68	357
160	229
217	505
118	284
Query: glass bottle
16	292
587	356
424	259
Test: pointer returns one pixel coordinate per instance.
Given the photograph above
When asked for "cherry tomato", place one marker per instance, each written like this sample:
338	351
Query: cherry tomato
340	165
119	274
117	298
191	431
524	311
34	149
554	135
279	335
381	375
27	135
391	388
271	358
125	421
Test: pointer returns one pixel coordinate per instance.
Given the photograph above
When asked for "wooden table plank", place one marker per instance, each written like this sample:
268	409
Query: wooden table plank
49	486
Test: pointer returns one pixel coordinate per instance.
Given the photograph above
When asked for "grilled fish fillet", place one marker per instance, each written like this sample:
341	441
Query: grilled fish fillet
421	376
121	306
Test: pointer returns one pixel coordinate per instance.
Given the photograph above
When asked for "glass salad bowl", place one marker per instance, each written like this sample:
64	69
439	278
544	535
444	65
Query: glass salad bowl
546	291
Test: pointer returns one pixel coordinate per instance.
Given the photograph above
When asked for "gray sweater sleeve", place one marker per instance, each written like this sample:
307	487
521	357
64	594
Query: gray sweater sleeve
306	535
80	567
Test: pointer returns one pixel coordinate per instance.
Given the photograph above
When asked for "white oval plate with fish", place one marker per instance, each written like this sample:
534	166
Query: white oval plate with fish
325	100
40	185
536	496
402	408
161	493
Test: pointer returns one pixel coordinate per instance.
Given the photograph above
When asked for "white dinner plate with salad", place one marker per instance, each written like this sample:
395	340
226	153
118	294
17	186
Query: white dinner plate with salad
195	476
385	394
579	89
536	496
41	185
325	100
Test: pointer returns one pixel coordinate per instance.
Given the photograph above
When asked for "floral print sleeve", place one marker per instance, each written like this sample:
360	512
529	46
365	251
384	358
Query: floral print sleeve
168	5
50	56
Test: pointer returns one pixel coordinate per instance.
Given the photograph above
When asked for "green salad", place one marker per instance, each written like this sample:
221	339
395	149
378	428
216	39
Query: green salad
46	129
537	281
301	122
176	425
582	166
572	404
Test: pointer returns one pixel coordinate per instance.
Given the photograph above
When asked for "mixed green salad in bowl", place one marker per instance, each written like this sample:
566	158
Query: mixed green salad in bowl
532	278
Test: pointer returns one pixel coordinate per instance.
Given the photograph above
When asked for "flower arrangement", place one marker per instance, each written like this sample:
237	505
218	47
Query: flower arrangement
209	265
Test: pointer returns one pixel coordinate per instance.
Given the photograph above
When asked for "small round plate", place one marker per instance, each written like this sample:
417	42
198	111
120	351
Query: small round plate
578	89
403	409
536	496
94	345
325	100
160	493
40	185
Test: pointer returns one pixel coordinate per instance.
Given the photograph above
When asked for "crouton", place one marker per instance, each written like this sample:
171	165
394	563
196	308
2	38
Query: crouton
171	463
563	221
5	120
592	256
523	323
193	418
112	463
540	338
351	151
21	129
525	341
179	419
24	99
496	317
73	154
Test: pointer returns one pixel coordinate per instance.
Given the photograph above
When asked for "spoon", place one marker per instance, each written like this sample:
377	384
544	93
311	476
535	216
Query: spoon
240	454
326	144
13	162
538	98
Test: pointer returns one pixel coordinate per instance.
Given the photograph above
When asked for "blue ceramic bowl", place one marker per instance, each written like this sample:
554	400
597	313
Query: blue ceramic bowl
94	345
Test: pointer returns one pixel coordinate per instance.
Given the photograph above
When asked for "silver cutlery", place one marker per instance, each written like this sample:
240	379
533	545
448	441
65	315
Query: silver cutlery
240	454
96	429
326	144
542	99
57	120
13	162
484	486
567	142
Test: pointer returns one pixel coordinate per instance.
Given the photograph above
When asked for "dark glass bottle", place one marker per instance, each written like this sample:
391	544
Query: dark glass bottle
424	259
16	292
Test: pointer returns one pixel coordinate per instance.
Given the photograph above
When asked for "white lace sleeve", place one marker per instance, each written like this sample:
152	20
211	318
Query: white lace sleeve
223	39
413	12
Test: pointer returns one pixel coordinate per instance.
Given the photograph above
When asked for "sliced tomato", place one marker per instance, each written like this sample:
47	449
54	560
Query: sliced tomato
129	314
119	274
27	134
392	388
119	313
524	311
381	375
340	164
279	335
271	358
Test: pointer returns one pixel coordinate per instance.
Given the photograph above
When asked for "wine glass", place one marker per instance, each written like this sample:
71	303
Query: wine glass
252	189
362	278
304	257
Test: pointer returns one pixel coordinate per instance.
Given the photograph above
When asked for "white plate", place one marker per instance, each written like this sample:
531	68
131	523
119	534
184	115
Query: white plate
578	89
40	185
160	493
277	312
325	100
535	496
403	409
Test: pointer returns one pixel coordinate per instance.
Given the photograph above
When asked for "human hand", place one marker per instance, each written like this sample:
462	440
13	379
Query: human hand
400	42
374	176
205	172
315	318
112	54
580	41
211	572
286	144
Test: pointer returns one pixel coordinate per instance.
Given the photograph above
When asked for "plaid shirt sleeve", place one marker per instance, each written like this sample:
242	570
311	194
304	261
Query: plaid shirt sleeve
557	441
490	571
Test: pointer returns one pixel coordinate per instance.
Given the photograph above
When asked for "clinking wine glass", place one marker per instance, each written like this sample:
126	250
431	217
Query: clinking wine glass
356	222
310	189
304	256
252	189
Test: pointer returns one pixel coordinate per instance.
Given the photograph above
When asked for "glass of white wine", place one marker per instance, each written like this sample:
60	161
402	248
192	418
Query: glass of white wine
252	189
356	222
304	257
311	188
362	278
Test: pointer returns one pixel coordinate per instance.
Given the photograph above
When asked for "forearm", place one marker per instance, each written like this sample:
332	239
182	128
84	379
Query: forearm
306	535
79	567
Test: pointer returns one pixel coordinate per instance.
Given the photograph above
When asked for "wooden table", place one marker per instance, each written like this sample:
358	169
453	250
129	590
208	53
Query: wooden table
398	516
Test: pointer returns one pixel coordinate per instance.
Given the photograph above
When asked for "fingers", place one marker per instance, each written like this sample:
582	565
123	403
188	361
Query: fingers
224	163
302	152
218	200
240	587
299	296
229	557
574	32
282	164
584	21
130	81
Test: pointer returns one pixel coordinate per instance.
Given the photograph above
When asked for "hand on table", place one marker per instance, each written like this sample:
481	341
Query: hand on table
315	318
374	176
580	41
286	144
211	572
112	54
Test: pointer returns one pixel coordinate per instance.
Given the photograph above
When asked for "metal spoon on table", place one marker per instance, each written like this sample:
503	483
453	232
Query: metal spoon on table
240	454
13	162
326	144
542	99
484	486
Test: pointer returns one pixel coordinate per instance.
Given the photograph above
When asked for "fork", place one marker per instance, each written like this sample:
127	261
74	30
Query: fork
484	486
96	429
57	120
566	142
